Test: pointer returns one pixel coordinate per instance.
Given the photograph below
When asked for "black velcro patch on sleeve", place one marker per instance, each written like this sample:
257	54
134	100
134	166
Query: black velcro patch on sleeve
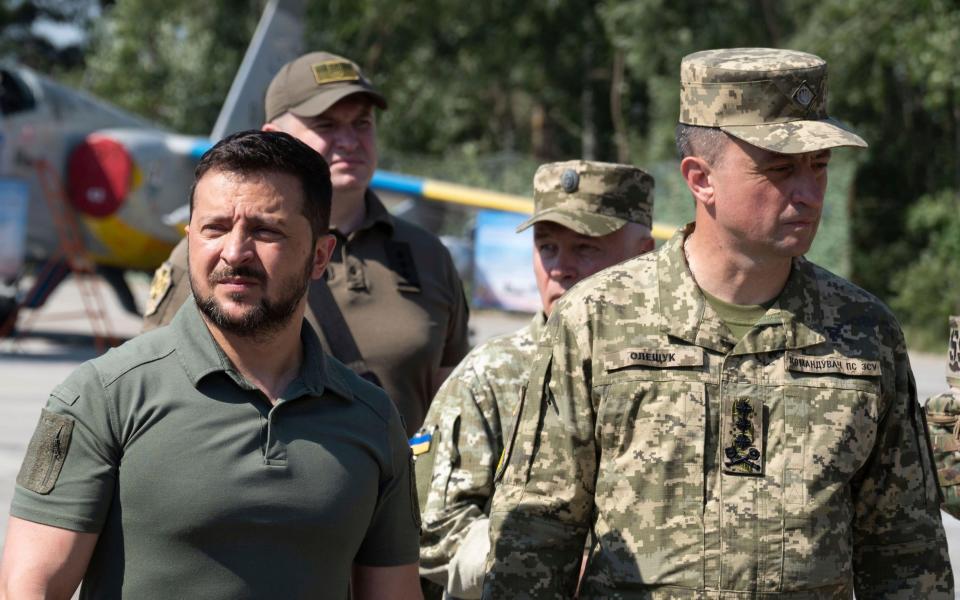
46	453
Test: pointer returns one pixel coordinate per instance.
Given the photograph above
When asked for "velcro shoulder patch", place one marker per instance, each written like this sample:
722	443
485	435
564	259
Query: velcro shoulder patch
46	452
663	357
423	454
857	367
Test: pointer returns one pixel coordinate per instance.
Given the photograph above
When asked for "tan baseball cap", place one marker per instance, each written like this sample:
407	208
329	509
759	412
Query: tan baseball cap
314	82
770	98
591	198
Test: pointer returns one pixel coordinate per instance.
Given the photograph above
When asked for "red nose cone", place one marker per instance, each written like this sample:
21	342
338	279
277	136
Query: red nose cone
99	172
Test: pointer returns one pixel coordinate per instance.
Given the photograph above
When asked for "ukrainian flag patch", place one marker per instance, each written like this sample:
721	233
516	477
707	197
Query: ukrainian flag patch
420	444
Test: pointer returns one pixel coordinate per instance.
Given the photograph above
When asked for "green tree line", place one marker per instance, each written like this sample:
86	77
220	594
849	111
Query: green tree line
527	82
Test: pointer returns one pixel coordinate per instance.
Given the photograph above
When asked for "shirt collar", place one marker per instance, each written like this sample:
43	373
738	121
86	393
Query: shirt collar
536	324
800	308
201	355
685	313
375	215
316	372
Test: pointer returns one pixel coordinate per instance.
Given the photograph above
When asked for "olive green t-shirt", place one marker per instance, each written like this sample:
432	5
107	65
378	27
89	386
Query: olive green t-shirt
404	303
739	318
199	488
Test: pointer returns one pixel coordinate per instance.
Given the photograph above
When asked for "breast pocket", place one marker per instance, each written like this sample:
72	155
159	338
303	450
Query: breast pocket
650	486
830	430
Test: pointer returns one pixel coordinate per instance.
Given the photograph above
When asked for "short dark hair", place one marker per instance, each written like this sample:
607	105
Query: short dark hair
255	152
696	140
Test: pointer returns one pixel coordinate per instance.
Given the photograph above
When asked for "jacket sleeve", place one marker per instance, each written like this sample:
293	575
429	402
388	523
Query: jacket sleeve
900	549
544	499
465	423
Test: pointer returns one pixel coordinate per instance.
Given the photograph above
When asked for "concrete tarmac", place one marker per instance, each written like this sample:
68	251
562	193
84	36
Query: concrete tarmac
33	364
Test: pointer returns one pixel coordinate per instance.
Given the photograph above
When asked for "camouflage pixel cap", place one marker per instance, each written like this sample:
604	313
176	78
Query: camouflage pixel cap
309	85
770	98
591	198
953	353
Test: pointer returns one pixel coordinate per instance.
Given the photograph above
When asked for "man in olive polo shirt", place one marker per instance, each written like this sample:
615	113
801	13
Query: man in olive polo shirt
224	456
392	307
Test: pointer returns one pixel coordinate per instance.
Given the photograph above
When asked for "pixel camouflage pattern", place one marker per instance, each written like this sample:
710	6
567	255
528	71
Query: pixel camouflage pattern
468	417
847	500
597	200
773	99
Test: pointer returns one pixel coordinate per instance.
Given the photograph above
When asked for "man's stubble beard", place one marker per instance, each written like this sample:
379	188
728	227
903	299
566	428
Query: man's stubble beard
264	319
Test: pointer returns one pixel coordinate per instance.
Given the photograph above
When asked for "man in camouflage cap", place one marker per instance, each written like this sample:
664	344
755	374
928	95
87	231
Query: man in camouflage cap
392	307
727	418
587	216
943	420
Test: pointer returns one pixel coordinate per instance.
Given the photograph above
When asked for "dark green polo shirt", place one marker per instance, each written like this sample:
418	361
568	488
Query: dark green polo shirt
200	489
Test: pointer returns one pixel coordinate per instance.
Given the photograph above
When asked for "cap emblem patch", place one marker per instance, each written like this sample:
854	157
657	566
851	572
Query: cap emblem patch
569	181
332	71
804	95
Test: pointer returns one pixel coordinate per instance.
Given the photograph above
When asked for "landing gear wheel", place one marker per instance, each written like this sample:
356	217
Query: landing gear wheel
8	310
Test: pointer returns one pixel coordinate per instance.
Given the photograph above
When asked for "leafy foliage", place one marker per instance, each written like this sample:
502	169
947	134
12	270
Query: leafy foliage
495	76
481	92
171	61
928	289
895	77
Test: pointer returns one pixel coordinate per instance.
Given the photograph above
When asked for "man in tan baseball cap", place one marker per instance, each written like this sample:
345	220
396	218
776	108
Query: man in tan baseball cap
392	307
311	84
328	103
725	417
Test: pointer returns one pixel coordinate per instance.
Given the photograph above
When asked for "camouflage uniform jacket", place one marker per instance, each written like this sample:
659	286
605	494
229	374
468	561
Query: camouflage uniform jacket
789	464
466	421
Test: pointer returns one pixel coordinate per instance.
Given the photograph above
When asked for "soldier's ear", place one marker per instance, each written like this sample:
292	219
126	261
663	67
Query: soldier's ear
696	173
322	252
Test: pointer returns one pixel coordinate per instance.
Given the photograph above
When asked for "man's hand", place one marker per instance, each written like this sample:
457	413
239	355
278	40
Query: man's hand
469	563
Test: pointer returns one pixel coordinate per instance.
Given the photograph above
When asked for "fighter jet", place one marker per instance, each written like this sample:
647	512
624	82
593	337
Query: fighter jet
124	180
